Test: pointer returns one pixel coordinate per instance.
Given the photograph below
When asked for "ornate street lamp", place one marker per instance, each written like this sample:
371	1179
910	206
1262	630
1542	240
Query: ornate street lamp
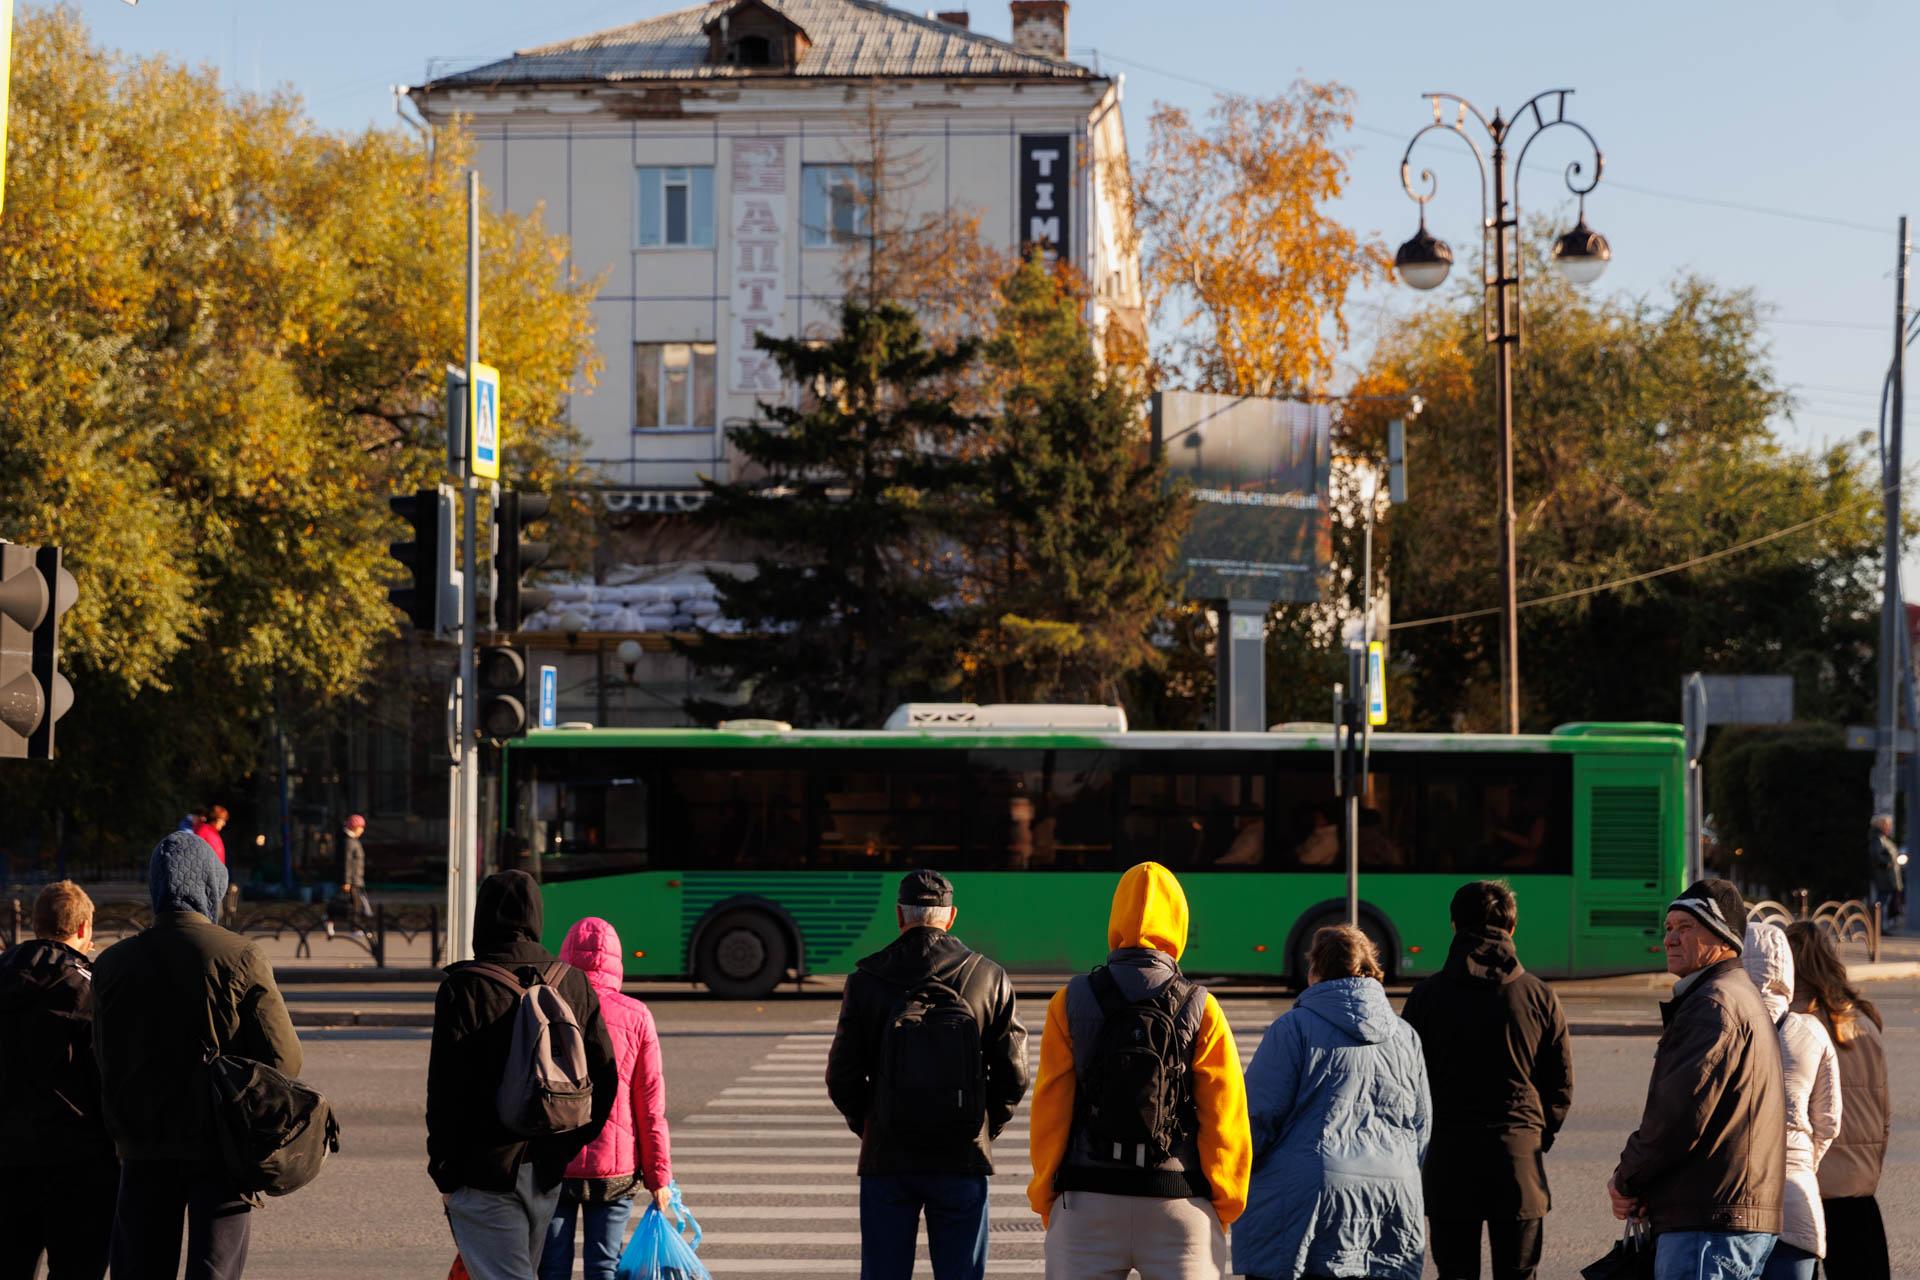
1580	255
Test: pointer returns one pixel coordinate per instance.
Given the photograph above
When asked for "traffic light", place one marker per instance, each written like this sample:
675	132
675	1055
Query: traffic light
432	598
34	592
515	554
502	672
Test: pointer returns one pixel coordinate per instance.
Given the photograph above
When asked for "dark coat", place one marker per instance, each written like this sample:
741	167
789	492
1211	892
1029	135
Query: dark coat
158	996
49	1083
1711	1150
1501	1069
467	1145
874	991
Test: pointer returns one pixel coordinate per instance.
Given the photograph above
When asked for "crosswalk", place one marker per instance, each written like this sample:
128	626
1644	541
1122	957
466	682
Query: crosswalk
768	1167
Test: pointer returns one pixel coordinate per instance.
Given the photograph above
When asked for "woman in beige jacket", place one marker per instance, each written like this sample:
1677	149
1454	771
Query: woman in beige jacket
1812	1077
1850	1174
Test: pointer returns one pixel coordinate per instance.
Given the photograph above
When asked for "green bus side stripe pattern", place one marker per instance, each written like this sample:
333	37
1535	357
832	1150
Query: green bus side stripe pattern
1626	833
832	908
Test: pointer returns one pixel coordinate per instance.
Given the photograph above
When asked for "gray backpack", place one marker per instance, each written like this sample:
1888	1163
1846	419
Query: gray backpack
545	1089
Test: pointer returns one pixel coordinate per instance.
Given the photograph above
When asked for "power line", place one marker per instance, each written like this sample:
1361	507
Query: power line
1560	597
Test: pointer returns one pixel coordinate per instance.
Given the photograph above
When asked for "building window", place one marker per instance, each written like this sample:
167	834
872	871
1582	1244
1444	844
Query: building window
753	51
676	207
835	203
673	385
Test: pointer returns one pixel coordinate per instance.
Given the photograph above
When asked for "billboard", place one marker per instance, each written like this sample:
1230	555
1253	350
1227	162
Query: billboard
1257	471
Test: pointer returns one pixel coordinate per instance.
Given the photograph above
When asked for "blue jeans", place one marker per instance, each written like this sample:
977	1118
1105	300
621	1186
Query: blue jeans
1711	1255
1789	1262
606	1226
956	1209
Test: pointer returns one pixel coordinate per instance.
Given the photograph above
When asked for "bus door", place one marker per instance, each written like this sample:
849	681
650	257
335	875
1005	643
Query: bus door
1627	825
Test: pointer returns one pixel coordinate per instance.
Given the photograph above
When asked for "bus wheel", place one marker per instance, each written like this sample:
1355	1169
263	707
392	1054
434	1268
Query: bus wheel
743	956
1369	925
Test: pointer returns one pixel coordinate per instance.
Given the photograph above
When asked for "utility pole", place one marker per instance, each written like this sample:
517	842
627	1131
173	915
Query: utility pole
463	848
1891	612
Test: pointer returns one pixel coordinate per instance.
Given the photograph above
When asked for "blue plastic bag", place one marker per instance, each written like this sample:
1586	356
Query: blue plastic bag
659	1249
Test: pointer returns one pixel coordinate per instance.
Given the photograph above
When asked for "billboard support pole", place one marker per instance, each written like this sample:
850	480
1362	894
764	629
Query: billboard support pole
1240	702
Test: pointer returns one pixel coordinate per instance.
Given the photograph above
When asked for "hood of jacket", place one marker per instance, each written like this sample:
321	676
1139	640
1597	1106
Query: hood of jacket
593	947
184	874
1768	960
1485	957
1149	912
507	912
915	954
39	974
1356	1007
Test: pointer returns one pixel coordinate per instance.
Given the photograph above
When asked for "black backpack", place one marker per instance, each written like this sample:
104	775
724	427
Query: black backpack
274	1132
931	1081
1134	1098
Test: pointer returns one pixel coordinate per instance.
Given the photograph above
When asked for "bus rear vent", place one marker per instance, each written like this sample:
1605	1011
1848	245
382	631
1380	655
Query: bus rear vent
1640	919
1032	717
1626	833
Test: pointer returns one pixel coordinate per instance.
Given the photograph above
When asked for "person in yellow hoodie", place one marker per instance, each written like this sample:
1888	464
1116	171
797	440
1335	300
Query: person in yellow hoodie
1141	1151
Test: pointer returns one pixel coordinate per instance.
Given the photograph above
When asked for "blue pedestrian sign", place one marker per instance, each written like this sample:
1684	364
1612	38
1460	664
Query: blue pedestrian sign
1376	684
549	697
483	421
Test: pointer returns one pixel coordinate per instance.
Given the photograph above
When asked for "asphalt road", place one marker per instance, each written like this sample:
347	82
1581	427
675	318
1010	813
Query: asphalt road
769	1171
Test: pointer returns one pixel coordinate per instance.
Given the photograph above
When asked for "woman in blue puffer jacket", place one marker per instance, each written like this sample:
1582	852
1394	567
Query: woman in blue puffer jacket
1337	1098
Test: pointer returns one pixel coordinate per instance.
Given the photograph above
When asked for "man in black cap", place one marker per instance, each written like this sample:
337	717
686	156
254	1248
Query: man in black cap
1707	1166
928	1064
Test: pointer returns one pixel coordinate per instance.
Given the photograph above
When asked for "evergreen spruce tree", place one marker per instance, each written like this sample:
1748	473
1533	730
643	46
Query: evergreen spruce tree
851	498
1072	549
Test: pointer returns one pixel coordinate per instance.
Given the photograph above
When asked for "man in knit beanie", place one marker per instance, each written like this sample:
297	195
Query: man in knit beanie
1707	1166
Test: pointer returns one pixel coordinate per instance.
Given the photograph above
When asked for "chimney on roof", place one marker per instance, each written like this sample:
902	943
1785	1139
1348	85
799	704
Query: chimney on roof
953	18
1040	26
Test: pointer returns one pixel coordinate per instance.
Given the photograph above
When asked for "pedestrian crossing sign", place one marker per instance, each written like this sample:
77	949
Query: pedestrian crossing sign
483	418
1376	683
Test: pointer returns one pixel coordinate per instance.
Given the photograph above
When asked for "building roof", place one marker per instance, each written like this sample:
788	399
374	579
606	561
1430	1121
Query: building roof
848	39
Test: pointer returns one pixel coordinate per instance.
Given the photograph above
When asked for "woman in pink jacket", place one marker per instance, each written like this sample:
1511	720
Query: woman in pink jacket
632	1149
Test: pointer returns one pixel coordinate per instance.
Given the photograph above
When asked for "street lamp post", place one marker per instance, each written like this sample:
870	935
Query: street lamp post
1424	261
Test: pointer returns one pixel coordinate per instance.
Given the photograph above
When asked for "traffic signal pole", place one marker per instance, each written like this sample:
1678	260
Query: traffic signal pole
463	851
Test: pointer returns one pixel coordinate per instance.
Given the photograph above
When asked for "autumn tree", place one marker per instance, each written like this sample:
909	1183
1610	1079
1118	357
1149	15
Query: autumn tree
1245	265
1642	440
226	332
855	496
1072	545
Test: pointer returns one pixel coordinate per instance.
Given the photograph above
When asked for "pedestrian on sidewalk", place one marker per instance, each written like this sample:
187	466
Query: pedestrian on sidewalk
1707	1168
1886	878
1501	1068
1341	1116
1139	1130
58	1172
1849	1176
499	1187
157	996
209	827
632	1152
1812	1079
928	1064
353	876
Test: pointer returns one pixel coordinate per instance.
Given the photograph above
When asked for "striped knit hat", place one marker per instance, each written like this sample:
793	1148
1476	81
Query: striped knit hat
1717	905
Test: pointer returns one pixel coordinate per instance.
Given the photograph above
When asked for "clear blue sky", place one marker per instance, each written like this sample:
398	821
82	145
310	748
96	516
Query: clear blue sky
1794	107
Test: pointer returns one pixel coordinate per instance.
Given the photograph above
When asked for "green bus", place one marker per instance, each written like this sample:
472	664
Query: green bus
743	856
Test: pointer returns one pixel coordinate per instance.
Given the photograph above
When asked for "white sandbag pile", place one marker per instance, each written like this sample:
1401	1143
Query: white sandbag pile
686	604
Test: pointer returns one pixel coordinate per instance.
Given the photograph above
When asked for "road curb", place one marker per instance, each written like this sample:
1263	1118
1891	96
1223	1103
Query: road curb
360	1017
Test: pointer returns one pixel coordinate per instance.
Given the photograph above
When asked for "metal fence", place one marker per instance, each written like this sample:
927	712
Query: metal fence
306	923
1842	922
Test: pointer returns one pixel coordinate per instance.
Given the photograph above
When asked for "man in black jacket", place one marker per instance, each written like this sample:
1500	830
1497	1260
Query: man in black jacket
500	1189
161	999
1501	1070
928	1082
57	1169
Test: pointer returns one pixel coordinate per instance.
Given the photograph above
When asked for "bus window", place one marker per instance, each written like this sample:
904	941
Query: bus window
1496	815
1192	821
727	818
1311	819
581	816
889	818
1042	810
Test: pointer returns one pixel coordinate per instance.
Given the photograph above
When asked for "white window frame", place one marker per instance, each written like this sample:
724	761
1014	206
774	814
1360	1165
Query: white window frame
697	354
651	186
823	237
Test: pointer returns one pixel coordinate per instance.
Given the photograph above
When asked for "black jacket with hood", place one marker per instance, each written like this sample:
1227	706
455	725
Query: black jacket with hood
1501	1070
160	996
49	1083
874	991
467	1146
